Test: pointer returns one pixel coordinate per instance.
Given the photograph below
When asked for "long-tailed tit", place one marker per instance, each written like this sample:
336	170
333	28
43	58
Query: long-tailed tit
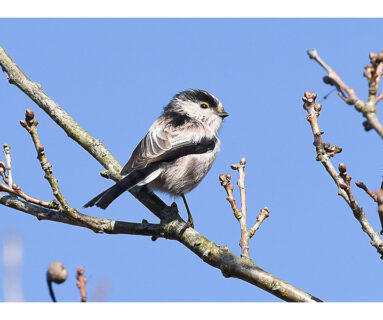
177	152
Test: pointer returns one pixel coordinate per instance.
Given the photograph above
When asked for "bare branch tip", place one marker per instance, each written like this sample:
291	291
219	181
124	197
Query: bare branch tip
361	185
313	53
7	148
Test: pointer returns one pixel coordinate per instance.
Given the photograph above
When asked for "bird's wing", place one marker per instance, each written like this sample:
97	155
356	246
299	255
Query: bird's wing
165	142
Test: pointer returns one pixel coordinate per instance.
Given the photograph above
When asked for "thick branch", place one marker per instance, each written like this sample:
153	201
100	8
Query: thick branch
342	180
104	225
208	251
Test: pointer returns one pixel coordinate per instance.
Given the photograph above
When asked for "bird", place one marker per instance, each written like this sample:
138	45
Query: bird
176	153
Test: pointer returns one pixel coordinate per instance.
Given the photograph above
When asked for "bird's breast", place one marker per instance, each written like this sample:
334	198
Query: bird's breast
185	173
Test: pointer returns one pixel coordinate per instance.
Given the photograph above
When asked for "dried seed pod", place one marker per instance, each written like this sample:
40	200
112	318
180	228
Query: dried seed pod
56	272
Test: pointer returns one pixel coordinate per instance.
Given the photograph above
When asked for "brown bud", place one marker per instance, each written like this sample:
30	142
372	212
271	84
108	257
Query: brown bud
228	176
360	184
29	115
80	271
57	272
379	57
311	96
318	107
23	123
222	177
342	167
371	55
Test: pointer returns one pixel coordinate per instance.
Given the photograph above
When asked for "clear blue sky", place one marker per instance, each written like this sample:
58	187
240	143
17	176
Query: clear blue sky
115	76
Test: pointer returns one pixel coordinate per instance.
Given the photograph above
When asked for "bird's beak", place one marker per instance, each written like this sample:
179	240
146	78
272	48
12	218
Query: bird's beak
223	114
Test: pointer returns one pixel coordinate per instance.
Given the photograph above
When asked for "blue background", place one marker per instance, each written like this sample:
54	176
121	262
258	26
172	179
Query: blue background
114	76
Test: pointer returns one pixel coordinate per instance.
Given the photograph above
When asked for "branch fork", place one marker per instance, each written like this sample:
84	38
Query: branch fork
241	215
373	73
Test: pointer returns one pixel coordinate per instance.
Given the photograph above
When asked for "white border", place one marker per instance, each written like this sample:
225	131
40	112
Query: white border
193	8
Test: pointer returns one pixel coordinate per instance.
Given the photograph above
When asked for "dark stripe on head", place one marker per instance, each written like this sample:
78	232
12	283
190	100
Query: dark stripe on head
197	95
172	110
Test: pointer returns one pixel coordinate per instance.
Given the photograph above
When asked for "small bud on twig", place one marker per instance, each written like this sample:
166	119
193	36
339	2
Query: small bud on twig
29	116
81	282
342	167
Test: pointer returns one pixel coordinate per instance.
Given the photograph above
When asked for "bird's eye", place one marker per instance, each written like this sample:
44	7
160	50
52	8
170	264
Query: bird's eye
204	105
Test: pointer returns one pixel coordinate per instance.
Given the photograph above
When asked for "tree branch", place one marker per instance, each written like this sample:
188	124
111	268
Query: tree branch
104	225
373	73
8	159
241	215
171	227
342	180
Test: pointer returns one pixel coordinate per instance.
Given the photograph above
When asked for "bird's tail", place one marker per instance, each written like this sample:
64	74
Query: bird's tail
105	198
139	178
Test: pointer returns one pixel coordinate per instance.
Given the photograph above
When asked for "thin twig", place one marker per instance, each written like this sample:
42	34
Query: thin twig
244	242
346	93
379	195
373	73
361	185
3	171
18	192
229	187
265	212
8	159
30	124
342	180
81	282
241	215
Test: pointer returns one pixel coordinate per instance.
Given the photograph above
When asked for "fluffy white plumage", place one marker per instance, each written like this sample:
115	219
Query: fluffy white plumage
178	150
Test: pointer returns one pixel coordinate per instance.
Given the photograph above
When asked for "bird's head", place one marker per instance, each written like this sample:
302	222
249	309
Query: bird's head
200	105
